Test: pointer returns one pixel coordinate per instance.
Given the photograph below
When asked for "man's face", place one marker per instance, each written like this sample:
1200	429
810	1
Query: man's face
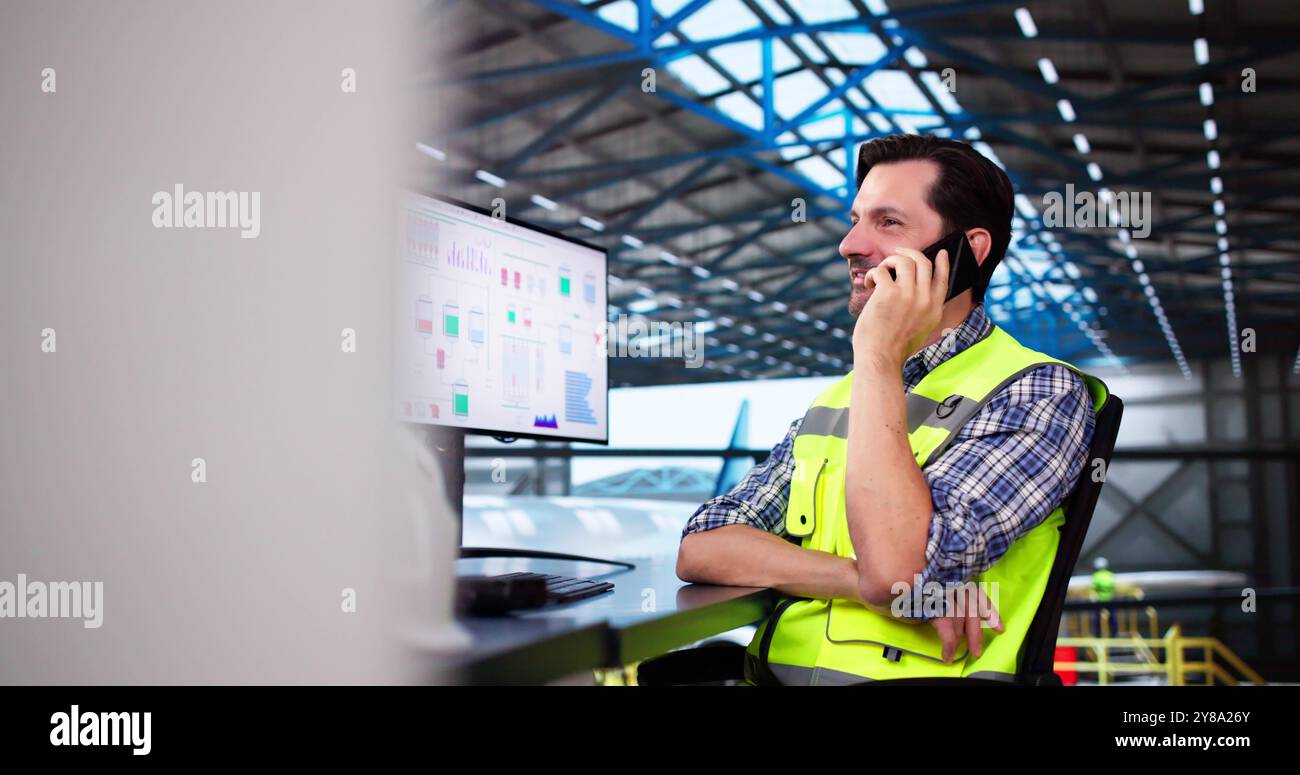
890	211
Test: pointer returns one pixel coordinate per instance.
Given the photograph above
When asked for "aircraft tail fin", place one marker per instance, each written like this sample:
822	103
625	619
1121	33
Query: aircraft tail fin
733	469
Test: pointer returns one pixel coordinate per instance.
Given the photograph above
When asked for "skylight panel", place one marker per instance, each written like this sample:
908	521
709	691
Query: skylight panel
815	11
743	60
809	48
623	13
854	48
879	121
821	172
782	57
797	91
774	10
664	8
741	108
719	19
831	126
698	75
894	89
944	97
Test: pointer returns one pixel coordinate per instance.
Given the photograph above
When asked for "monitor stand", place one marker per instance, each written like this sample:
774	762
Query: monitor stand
448	446
474	552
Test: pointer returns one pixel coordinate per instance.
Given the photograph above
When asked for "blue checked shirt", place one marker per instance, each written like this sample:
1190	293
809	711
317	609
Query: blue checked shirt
1014	462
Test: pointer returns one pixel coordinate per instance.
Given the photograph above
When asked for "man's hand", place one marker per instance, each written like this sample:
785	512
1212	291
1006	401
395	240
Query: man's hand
966	620
902	311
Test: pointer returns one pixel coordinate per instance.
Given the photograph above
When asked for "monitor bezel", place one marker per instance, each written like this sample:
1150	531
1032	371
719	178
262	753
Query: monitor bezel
604	253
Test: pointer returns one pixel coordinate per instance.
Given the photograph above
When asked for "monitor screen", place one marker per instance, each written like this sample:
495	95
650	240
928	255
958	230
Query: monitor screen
500	325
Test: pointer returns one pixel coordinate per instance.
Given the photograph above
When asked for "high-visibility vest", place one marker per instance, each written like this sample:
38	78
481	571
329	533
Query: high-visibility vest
1103	583
841	641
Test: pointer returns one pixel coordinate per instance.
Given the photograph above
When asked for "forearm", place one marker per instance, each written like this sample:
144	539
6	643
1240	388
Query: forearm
739	555
887	500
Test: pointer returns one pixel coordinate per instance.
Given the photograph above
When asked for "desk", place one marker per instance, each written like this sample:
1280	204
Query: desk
650	611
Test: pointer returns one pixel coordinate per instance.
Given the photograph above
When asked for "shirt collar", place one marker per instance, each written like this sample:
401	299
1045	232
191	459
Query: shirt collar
974	328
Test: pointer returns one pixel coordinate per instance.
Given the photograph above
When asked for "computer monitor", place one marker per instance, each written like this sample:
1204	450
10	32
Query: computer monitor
500	325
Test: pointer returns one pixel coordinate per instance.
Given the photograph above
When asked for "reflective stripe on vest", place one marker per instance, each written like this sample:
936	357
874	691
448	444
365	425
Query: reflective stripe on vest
798	675
840	641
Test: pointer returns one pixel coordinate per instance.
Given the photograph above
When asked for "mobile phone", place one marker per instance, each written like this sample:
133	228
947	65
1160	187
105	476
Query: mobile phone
963	269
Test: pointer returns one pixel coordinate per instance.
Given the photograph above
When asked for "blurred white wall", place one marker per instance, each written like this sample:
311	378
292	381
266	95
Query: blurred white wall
177	344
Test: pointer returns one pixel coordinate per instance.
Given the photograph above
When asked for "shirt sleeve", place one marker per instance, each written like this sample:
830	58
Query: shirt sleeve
759	499
1009	467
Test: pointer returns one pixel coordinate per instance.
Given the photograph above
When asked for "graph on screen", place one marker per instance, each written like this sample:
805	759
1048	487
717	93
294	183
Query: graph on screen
499	325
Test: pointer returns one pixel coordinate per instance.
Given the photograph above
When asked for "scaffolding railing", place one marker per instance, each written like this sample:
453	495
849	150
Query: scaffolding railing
1166	657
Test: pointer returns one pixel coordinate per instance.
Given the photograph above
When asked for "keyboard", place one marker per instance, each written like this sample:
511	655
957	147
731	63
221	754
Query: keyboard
564	589
495	595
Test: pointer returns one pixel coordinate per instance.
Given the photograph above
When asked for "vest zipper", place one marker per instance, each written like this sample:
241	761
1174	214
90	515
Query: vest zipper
816	492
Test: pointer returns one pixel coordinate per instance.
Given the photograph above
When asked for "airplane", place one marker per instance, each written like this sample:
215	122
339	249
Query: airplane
614	527
650	527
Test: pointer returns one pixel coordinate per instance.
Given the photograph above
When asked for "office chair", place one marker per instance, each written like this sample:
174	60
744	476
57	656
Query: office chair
723	662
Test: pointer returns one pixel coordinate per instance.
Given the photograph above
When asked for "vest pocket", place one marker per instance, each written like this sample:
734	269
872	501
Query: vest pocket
830	509
801	512
849	623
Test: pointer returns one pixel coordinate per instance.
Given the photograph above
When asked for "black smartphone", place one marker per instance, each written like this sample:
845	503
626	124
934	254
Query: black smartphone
963	269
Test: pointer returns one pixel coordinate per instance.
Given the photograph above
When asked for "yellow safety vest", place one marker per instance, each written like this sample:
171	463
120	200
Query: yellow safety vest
1103	584
840	641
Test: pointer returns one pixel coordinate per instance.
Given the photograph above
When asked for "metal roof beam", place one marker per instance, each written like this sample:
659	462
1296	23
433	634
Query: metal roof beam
542	142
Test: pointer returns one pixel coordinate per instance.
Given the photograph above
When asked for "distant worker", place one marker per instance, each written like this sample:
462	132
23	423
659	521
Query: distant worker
1103	589
1103	581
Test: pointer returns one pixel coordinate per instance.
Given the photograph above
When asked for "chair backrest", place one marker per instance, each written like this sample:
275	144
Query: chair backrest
1039	653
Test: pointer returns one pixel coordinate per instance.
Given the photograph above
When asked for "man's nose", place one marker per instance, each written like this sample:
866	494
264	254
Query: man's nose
855	243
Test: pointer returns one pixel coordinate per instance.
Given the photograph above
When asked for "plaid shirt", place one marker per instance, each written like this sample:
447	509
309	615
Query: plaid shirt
1014	462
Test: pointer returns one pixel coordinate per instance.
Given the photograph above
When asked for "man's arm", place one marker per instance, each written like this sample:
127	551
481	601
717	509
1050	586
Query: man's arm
886	498
1015	461
736	539
744	556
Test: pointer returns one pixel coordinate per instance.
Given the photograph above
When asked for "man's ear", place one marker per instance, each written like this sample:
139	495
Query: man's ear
981	242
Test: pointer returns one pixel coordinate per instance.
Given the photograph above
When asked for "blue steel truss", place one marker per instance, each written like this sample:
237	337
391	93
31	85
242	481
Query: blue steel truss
1082	294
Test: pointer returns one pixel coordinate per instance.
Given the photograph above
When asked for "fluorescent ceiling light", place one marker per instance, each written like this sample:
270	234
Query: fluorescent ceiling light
1201	51
430	151
1048	70
1026	22
490	179
547	204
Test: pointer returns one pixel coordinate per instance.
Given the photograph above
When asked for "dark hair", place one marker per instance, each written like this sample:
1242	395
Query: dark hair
971	191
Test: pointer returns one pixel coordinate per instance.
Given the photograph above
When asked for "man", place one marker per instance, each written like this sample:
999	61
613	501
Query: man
935	460
1102	584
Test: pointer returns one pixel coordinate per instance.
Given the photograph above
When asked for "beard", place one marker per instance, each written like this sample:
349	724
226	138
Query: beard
857	300
858	293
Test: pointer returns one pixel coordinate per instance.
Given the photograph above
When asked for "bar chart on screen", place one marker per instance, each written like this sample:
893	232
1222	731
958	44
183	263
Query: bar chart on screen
495	325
